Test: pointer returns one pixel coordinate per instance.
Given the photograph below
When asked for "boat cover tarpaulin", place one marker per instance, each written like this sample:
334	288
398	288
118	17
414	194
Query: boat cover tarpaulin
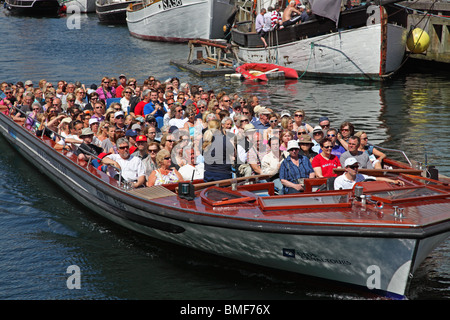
327	8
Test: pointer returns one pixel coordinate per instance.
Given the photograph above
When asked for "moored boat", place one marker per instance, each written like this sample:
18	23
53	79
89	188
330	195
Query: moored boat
33	7
179	21
375	242
365	42
259	71
113	11
84	6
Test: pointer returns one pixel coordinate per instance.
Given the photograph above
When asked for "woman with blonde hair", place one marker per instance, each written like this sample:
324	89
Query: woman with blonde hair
299	120
375	155
165	173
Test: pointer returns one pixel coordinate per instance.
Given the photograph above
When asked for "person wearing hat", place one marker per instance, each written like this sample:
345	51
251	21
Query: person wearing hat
121	86
263	122
324	123
88	151
142	153
305	143
131	136
119	120
294	169
317	137
351	176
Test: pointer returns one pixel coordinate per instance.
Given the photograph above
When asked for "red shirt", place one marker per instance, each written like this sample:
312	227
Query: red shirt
119	90
139	109
326	165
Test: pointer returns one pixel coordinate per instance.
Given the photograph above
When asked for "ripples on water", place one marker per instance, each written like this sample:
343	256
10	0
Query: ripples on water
43	231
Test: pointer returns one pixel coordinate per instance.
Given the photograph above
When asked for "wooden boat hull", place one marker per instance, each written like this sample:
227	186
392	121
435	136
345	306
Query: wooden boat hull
112	12
189	19
33	7
379	255
371	51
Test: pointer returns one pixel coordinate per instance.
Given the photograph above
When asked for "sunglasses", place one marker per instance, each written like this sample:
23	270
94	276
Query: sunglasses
167	158
354	167
301	132
126	147
327	147
273	121
153	150
331	135
298	115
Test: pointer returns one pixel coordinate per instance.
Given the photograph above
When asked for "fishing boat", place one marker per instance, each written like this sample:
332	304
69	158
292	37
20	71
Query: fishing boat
260	71
365	42
113	11
179	21
33	7
84	6
373	236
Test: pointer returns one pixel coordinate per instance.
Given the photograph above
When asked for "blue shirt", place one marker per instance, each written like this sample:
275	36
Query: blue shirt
289	171
259	126
150	107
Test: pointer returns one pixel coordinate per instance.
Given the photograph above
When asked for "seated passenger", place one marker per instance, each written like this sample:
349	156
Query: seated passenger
306	145
294	169
165	173
218	156
337	149
191	170
362	157
325	162
375	155
87	150
271	162
351	176
291	15
132	168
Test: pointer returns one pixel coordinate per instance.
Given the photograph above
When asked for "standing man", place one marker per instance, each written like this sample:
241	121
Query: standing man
122	85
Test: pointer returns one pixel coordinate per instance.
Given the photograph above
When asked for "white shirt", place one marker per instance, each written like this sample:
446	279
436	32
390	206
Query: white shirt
186	171
341	182
132	168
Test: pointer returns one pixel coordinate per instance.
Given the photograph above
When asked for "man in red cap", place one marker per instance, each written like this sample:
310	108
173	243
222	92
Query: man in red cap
142	153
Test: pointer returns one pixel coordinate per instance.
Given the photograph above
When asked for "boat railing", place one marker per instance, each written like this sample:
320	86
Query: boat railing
398	151
121	183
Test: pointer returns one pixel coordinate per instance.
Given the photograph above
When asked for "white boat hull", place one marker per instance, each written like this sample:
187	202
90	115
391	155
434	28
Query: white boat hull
180	20
354	53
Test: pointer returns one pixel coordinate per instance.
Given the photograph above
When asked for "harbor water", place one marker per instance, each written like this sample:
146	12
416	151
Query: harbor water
43	231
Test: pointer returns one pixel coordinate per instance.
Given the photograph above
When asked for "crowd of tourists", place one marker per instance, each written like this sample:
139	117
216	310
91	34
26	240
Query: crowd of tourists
160	132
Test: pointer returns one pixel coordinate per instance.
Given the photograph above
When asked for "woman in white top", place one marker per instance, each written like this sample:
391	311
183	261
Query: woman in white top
127	93
165	173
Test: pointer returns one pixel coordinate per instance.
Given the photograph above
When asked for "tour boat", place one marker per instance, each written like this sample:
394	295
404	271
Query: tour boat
33	7
113	11
179	21
373	236
259	71
366	42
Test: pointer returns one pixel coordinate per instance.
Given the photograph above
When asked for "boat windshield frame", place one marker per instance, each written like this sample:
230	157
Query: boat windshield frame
339	199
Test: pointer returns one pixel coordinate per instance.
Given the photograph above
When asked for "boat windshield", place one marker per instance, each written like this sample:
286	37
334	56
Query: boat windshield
305	201
408	194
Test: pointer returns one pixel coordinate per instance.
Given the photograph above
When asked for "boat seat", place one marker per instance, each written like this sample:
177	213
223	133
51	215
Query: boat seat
330	183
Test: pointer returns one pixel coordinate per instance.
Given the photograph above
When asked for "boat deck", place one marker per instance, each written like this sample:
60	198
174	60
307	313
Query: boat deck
421	202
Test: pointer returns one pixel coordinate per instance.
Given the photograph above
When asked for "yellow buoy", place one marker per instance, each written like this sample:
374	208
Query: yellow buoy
418	41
